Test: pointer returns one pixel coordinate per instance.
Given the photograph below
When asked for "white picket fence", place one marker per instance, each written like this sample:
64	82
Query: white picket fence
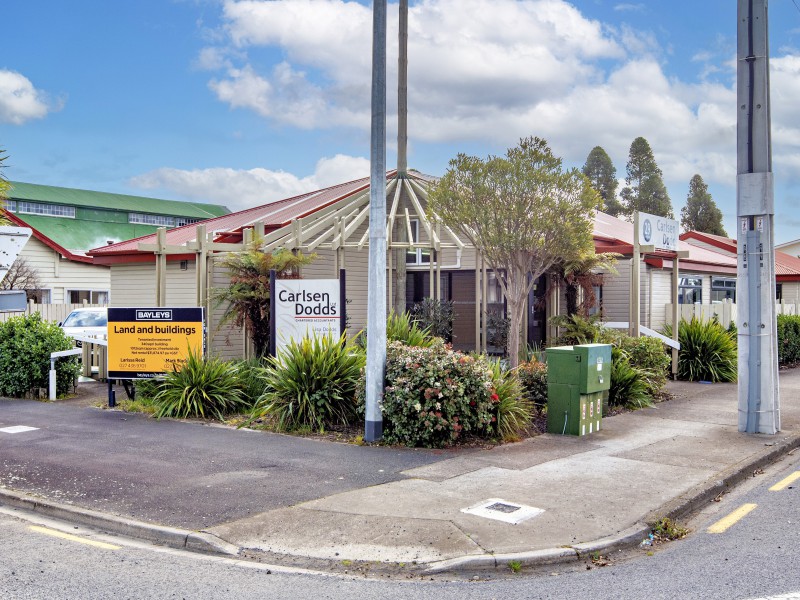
49	312
725	312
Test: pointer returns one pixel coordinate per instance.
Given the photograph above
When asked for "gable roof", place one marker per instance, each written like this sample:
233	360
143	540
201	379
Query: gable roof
228	228
787	267
35	192
47	241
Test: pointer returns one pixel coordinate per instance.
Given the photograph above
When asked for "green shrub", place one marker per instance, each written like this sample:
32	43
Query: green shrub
788	339
434	315
402	328
252	379
708	351
199	387
514	409
649	356
575	329
629	387
147	389
434	395
25	346
311	384
533	378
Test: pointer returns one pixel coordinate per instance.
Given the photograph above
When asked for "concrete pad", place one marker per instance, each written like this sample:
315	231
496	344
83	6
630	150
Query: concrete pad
341	536
696	452
517	456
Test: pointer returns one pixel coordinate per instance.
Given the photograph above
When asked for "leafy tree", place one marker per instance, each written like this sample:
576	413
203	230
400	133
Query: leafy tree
523	212
645	190
578	273
603	175
248	295
700	212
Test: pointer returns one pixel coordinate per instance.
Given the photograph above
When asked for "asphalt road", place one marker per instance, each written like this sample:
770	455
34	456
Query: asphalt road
755	557
183	475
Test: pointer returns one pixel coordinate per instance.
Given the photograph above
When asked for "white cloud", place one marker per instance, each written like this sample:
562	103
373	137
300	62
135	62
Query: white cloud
514	54
20	101
492	71
239	189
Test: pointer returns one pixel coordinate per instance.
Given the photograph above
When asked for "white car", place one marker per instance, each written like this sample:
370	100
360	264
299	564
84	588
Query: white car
86	321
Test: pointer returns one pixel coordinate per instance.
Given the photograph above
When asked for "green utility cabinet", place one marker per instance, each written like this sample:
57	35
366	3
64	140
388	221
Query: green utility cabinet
577	376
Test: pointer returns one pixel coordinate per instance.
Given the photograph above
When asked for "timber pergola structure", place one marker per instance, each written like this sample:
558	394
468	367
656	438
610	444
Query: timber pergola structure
340	226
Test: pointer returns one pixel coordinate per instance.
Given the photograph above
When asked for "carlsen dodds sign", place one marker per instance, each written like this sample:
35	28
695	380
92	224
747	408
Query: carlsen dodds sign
658	231
147	342
306	307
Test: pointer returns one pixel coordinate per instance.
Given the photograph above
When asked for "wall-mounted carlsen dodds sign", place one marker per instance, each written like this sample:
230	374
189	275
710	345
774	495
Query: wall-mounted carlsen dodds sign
658	231
147	342
306	307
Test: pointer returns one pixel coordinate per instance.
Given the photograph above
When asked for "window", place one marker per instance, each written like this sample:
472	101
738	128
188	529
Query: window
418	256
51	210
38	296
160	220
598	300
11	205
779	292
89	296
144	219
723	289
690	290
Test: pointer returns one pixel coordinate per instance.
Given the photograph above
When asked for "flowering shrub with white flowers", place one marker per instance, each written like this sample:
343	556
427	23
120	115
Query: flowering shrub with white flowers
434	396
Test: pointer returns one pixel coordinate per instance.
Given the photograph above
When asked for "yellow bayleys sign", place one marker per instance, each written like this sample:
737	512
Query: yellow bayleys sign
146	342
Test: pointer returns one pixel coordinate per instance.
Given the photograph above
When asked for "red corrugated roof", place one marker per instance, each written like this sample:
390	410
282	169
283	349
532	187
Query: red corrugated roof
719	241
273	215
787	267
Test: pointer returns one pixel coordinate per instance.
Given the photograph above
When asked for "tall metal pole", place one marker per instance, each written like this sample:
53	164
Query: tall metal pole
402	92
376	295
759	401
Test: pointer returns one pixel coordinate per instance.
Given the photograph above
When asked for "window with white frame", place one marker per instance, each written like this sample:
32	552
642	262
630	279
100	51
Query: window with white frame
50	210
88	296
690	290
723	289
418	256
11	205
145	219
39	296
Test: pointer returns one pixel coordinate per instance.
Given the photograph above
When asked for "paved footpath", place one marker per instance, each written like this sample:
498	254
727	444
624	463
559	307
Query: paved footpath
546	499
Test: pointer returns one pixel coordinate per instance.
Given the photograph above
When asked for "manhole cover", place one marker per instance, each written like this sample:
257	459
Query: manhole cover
503	510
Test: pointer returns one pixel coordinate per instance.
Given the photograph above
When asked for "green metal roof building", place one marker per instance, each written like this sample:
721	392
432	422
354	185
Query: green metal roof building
79	220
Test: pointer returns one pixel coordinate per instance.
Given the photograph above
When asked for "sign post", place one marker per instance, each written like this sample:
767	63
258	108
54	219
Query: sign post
305	307
147	342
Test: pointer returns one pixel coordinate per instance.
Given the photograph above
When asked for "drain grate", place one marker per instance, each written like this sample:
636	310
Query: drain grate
503	510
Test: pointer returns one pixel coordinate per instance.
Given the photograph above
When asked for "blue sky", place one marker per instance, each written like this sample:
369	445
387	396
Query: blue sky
241	102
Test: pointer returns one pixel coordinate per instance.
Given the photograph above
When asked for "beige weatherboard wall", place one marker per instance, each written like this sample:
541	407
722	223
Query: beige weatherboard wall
58	275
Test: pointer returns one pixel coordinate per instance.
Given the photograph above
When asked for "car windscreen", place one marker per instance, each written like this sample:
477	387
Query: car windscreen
86	319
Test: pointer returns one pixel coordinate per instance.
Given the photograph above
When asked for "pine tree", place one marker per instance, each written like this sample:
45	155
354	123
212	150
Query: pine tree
645	190
603	175
701	212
